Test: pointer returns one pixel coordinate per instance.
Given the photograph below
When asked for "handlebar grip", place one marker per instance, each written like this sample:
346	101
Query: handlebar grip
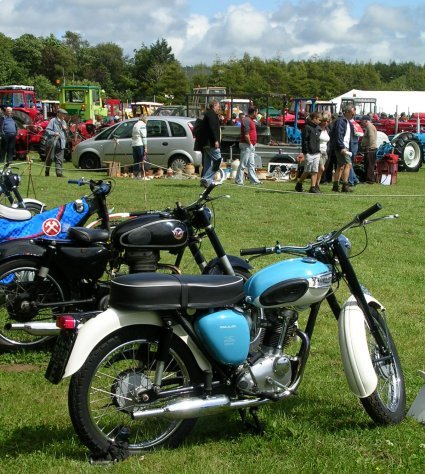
75	181
208	190
368	212
254	251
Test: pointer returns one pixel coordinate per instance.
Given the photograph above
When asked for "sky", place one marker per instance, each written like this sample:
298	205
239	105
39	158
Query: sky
205	31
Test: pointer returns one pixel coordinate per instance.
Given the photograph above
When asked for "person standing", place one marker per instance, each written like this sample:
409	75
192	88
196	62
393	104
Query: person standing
310	146
139	144
56	142
8	131
325	120
369	146
210	137
353	179
341	136
247	142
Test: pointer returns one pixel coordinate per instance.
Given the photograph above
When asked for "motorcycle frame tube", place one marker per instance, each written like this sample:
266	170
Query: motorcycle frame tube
357	291
91	333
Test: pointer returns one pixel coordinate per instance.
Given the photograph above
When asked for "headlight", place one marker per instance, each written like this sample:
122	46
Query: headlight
202	218
346	244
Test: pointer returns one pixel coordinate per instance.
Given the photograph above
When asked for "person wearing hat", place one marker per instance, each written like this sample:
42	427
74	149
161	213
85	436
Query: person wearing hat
56	142
8	131
369	146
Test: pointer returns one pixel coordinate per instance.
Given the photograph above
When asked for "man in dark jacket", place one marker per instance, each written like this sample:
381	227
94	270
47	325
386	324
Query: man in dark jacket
209	140
310	145
8	130
341	139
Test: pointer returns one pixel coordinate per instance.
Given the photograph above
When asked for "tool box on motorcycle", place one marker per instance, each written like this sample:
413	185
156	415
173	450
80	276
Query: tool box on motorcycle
83	262
153	231
386	169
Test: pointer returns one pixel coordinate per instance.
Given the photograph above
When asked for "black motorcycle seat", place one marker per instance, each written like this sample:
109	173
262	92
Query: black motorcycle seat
159	291
83	234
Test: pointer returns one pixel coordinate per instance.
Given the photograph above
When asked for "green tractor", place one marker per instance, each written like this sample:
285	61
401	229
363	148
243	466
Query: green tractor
86	102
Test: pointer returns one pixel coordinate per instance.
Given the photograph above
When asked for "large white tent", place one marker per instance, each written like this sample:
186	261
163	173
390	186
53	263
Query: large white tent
389	102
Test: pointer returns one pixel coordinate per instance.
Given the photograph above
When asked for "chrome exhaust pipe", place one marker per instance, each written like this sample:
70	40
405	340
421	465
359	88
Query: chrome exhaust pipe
196	407
35	328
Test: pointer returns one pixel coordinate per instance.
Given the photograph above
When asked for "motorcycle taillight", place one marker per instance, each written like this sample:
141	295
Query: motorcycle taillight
66	321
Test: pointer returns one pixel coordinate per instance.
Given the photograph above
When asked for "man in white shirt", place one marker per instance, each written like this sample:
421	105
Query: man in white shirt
140	147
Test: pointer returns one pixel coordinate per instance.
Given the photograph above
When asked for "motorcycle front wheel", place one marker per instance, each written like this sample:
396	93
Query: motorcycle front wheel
116	379
19	303
387	404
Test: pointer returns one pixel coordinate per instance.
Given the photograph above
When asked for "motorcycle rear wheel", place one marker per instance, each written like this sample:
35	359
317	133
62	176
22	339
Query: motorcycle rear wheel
16	279
387	404
112	383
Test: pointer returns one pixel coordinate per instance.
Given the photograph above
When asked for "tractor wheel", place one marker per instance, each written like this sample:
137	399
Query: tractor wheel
410	152
21	118
42	148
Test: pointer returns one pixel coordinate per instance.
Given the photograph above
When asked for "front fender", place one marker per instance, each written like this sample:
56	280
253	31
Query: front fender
361	375
91	333
213	267
20	248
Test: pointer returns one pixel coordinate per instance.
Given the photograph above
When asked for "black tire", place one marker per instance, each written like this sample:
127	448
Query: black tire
42	148
387	404
101	398
16	305
21	118
89	161
178	162
410	152
34	208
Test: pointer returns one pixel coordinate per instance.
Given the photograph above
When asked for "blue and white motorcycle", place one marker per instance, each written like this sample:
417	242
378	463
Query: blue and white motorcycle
172	348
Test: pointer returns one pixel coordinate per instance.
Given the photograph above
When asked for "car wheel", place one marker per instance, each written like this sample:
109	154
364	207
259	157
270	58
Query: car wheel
178	162
89	161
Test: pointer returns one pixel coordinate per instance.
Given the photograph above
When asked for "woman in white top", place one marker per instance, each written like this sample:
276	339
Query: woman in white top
324	142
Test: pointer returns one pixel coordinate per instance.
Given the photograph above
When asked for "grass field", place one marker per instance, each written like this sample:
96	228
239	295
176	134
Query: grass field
322	429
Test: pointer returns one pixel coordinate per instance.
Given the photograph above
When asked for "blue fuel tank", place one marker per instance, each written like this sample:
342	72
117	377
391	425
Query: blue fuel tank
225	334
297	282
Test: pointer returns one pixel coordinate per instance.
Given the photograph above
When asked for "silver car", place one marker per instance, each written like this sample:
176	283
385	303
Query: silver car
170	144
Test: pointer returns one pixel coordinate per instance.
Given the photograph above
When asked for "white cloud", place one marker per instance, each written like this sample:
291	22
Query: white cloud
338	29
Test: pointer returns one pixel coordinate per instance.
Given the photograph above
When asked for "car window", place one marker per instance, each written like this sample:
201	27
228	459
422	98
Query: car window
177	130
124	130
104	134
157	128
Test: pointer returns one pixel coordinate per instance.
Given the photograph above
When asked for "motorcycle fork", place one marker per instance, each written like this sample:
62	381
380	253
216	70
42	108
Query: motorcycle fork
219	250
357	291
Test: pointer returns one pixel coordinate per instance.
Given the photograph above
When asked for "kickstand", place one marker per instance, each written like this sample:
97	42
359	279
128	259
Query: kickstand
256	427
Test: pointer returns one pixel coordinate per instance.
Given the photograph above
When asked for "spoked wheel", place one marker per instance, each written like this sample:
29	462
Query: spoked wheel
117	379
387	403
19	303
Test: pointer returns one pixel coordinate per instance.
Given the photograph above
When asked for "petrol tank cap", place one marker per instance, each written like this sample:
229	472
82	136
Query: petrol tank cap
309	260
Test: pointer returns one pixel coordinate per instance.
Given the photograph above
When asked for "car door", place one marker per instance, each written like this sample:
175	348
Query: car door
159	143
117	147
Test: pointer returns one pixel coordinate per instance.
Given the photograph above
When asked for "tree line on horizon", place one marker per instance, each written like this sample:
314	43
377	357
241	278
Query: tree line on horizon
153	72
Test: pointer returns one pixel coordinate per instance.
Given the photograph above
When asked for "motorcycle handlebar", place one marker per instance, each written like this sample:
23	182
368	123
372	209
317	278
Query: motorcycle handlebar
368	212
257	251
78	182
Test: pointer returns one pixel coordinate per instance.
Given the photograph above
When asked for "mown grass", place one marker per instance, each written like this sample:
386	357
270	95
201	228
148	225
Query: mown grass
324	428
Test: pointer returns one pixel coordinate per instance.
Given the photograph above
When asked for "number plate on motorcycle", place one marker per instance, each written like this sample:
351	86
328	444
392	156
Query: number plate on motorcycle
60	355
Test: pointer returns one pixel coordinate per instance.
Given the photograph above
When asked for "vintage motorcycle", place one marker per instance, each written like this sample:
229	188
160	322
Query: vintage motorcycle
172	348
41	278
9	183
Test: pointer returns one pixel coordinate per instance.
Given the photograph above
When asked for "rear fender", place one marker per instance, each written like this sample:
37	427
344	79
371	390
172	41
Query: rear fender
91	333
214	268
34	201
20	248
356	360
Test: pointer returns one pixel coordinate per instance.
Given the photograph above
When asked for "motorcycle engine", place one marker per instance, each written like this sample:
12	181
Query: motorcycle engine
269	372
270	375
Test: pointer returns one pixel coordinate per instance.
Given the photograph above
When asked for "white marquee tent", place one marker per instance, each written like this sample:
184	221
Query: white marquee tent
389	102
